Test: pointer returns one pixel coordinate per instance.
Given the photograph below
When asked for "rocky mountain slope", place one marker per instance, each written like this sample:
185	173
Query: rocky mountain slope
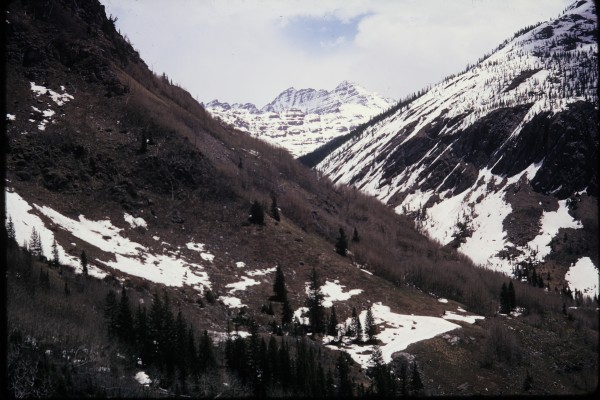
302	120
499	161
107	158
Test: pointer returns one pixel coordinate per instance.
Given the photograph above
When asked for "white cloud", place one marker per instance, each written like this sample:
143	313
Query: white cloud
237	51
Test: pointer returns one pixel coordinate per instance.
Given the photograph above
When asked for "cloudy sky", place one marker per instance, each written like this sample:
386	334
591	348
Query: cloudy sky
251	50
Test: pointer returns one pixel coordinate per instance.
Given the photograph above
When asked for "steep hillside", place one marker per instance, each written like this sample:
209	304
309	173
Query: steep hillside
499	161
302	120
107	159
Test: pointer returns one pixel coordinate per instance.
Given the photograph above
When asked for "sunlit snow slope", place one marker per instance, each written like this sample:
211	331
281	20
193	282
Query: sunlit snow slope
302	120
460	158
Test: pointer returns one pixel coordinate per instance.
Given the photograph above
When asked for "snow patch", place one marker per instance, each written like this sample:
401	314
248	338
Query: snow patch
143	378
583	276
242	285
333	291
466	318
135	222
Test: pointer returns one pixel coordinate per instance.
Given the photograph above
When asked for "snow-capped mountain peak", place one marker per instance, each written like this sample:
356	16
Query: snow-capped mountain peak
303	119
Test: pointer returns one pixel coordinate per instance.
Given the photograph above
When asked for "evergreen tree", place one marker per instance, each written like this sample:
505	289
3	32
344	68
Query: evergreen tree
343	371
275	209
285	366
355	325
84	263
124	319
111	312
512	299
341	246
383	381
55	259
416	385
257	214
314	302
205	352
370	327
355	237
141	334
67	290
287	313
155	325
504	302
279	286
273	361
333	323
10	231
35	244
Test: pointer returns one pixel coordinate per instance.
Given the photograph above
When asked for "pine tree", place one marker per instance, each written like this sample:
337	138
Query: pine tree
35	244
84	263
370	327
512	299
416	385
314	302
257	214
341	246
355	325
382	383
355	237
504	307
10	231
124	319
111	312
275	209
205	352
343	372
333	323
279	286
287	313
55	259
67	290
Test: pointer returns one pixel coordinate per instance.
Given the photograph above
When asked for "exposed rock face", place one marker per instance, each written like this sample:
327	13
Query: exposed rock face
302	120
524	118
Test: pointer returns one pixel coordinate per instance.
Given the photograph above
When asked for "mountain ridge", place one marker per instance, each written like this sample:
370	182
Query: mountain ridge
528	111
300	120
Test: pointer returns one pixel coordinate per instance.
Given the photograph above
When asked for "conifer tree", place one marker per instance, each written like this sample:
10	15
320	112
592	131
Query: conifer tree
10	231
504	307
84	263
341	246
279	286
205	352
67	290
416	385
141	335
125	319
257	214
355	325
111	312
370	327
35	244
314	302
55	259
355	237
343	372
383	382
287	313
333	323
512	299
275	209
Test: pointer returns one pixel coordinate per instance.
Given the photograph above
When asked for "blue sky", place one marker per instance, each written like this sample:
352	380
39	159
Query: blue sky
321	35
251	50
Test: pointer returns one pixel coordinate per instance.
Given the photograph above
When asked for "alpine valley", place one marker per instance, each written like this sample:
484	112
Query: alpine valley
445	244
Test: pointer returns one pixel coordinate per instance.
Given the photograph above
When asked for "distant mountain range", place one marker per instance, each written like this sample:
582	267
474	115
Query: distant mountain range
497	160
302	120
